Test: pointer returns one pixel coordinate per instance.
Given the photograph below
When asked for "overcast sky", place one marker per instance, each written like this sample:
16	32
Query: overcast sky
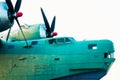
81	19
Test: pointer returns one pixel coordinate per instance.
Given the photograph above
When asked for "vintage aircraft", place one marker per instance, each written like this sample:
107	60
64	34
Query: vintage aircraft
60	58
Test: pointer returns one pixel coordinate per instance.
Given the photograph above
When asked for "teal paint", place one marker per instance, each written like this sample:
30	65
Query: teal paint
45	60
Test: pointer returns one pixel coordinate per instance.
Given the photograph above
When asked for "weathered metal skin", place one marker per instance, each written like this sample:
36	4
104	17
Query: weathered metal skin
55	59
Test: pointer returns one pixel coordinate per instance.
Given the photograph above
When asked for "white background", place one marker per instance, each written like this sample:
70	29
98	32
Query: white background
81	19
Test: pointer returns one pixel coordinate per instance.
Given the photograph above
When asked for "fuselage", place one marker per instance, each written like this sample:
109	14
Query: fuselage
60	58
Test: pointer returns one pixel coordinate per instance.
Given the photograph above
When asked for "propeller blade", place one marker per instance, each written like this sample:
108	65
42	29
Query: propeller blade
21	30
17	5
46	22
53	24
8	35
10	6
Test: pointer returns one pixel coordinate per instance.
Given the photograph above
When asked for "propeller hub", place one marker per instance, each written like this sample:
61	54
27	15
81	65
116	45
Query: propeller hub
19	14
55	33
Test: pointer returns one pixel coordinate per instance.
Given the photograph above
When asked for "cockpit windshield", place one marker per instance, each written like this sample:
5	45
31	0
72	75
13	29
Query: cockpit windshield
61	40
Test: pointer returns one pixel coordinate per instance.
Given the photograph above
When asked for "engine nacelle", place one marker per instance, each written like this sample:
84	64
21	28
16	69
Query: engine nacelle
36	31
5	22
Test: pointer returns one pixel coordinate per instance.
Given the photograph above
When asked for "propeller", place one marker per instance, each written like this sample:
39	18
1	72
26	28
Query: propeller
49	30
14	14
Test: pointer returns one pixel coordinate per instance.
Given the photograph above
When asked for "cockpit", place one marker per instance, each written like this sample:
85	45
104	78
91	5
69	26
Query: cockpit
62	40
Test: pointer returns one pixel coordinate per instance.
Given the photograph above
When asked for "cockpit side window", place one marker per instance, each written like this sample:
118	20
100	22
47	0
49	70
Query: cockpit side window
56	41
92	46
67	40
60	40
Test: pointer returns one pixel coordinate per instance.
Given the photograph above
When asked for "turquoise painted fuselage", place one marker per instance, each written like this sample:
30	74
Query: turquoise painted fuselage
54	58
